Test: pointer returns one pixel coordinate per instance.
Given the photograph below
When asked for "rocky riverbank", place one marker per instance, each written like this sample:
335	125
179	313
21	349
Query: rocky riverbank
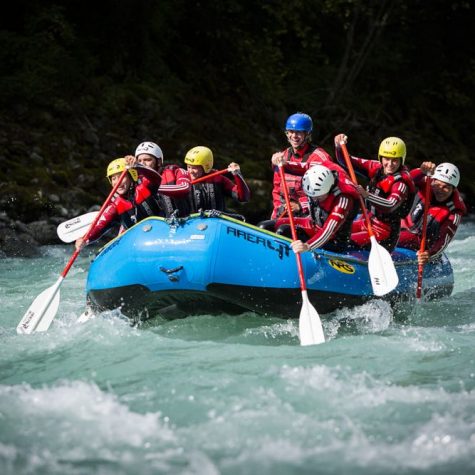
18	239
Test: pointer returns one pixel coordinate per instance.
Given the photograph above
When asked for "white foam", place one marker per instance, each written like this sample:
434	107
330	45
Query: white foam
275	330
372	317
444	439
413	427
81	413
360	389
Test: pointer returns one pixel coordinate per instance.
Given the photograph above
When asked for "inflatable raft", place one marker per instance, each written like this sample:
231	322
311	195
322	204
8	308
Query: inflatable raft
214	264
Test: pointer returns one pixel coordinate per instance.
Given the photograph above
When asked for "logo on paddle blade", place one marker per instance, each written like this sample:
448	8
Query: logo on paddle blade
342	266
72	223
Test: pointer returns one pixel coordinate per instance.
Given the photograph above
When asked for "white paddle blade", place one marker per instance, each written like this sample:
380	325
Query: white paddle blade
310	325
42	311
75	228
382	271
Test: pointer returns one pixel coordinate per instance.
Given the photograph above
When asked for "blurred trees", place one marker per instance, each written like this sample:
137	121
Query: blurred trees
82	82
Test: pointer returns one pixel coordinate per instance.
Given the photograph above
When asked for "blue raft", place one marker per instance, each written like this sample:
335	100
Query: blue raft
210	265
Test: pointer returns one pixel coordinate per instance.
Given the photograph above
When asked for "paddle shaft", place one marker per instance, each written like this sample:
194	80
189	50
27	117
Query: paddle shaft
351	171
303	285
381	269
43	304
207	177
420	270
91	227
310	325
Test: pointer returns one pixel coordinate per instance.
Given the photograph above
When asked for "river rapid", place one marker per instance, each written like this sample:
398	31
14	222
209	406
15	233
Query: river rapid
390	392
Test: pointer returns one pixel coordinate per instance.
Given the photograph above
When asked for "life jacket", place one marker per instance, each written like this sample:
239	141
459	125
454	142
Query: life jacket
171	205
381	185
294	180
207	195
139	204
437	213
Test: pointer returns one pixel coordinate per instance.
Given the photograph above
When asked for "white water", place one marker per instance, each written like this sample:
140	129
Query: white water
386	394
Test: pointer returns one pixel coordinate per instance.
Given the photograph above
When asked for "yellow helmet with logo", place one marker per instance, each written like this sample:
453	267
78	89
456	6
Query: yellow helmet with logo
118	166
200	156
392	147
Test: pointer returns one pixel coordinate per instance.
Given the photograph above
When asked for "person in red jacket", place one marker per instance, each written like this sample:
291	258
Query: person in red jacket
210	194
446	208
133	201
332	206
294	160
298	130
388	195
175	184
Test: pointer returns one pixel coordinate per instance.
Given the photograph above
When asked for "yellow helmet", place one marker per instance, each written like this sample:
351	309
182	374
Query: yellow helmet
392	147
118	166
200	156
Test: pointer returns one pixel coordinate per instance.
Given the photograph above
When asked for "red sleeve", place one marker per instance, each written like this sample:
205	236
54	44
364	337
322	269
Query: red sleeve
418	177
447	232
320	156
399	193
239	189
362	166
336	218
317	157
109	215
175	182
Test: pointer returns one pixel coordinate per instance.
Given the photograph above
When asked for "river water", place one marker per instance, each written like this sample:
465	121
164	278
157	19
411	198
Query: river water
390	392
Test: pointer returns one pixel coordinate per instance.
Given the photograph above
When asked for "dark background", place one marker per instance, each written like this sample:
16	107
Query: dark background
84	82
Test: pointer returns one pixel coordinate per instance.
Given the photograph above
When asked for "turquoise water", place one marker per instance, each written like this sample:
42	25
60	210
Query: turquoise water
389	393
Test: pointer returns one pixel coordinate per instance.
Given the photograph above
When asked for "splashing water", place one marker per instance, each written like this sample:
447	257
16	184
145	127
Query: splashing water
389	392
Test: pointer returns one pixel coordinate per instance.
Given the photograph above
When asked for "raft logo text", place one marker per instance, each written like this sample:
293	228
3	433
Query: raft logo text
280	248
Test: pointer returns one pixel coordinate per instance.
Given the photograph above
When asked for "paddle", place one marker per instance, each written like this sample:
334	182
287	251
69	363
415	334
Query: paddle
382	271
420	269
75	228
206	177
42	311
310	325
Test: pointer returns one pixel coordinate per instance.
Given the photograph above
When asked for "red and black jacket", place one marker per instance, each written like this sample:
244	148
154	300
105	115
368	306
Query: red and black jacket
173	191
329	221
207	195
138	203
210	194
293	172
390	195
443	218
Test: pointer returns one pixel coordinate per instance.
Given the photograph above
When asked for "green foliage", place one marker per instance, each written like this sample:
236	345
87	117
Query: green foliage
82	82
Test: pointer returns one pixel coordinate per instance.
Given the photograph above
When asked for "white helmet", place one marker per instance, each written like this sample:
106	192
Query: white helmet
151	148
448	173
317	181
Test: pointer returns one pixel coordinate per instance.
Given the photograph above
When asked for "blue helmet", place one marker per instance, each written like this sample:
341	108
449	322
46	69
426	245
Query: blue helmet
299	122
